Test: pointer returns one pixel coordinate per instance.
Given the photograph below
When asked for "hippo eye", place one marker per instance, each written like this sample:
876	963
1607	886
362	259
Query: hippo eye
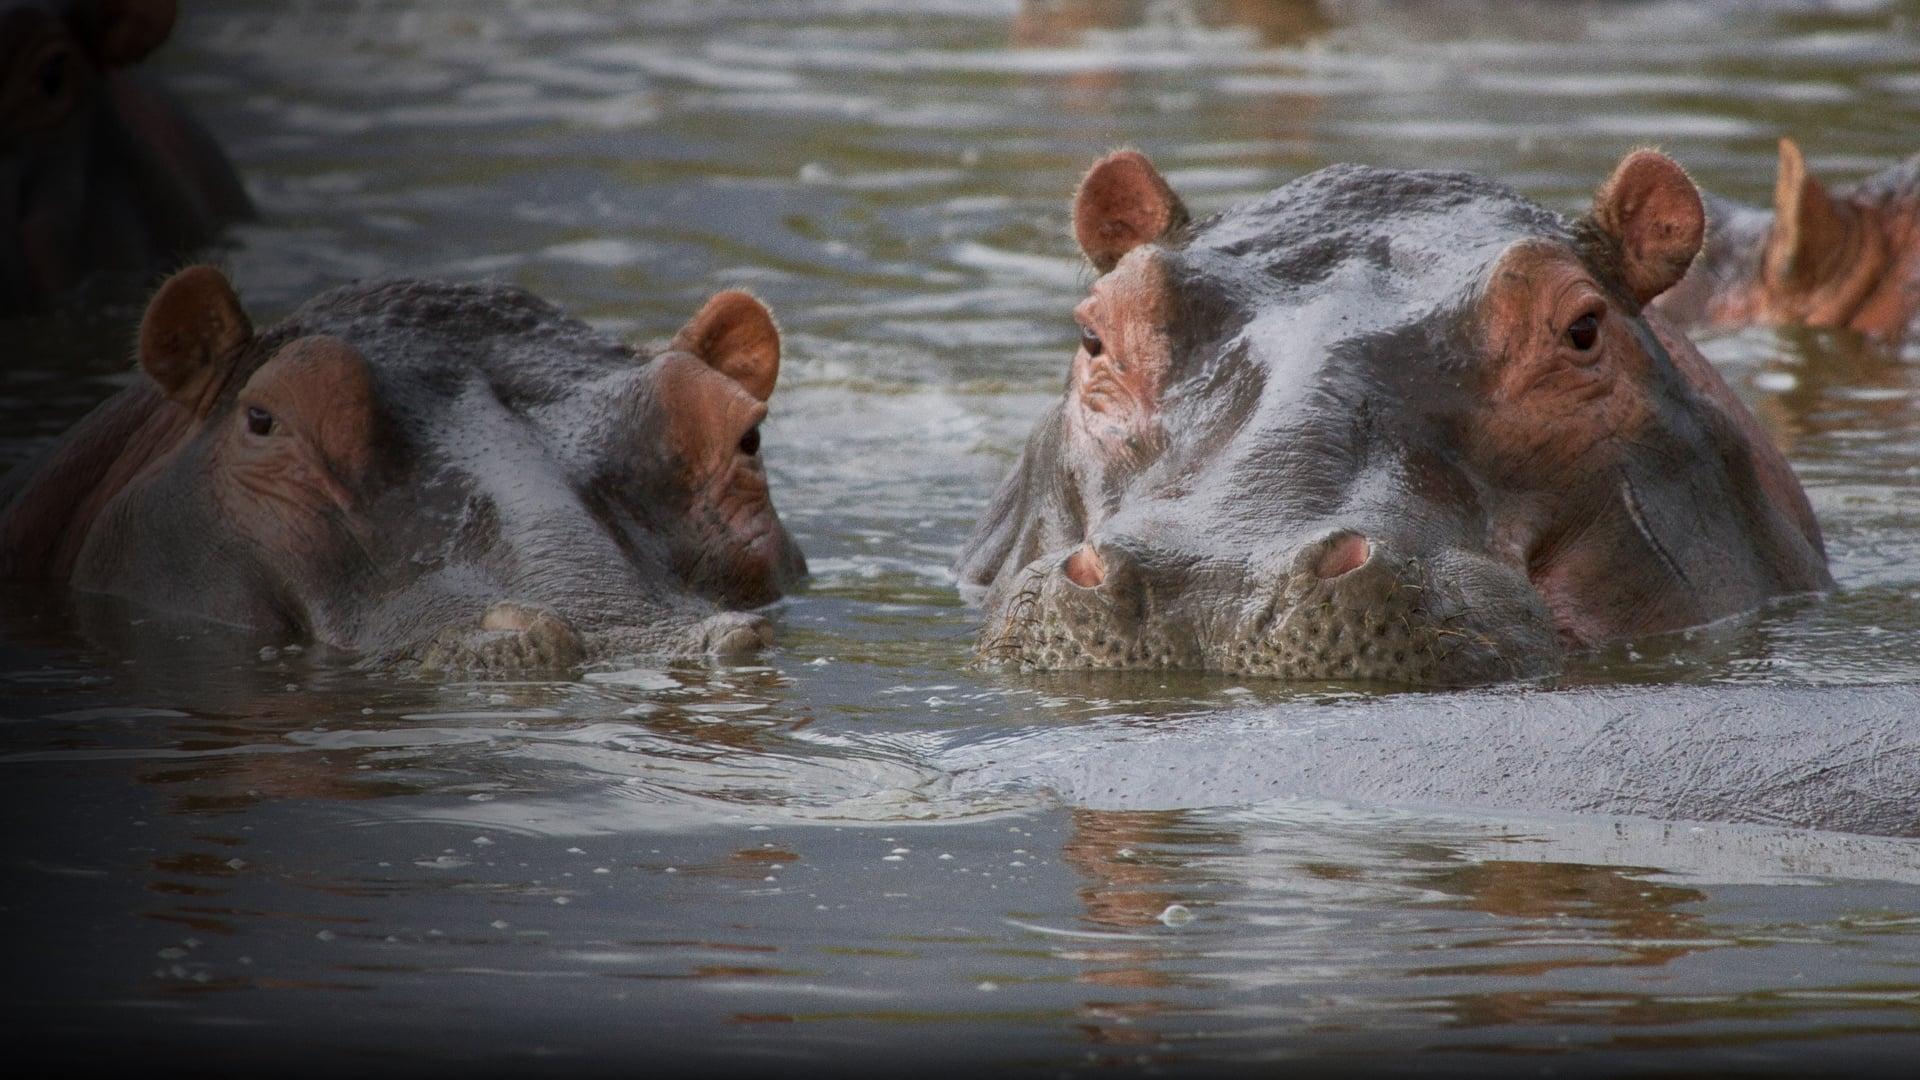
1584	332
259	420
1090	341
750	442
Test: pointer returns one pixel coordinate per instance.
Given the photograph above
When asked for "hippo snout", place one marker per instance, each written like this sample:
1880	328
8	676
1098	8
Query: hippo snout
518	637
510	636
1343	605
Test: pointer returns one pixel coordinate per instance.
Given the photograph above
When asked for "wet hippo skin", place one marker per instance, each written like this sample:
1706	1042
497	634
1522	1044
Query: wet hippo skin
100	167
1839	758
1397	426
1847	258
434	475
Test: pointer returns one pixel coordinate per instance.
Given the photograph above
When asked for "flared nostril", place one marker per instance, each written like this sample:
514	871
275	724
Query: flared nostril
735	633
1344	554
1084	567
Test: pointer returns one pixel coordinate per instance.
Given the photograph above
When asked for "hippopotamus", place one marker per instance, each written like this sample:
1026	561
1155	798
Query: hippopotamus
452	477
1848	258
100	167
1407	427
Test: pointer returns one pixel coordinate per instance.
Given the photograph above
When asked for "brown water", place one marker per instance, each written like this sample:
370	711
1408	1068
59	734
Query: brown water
221	851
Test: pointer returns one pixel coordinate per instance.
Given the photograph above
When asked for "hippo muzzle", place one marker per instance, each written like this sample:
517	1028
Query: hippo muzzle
1343	607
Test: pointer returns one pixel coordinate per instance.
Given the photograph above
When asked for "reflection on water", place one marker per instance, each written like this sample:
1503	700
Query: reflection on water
861	844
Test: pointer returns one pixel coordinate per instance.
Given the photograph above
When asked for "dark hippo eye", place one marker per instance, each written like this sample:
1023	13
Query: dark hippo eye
1584	332
259	420
1090	341
750	442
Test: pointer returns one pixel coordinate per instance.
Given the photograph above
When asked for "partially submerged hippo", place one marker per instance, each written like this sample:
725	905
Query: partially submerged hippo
1848	258
454	475
100	167
1400	426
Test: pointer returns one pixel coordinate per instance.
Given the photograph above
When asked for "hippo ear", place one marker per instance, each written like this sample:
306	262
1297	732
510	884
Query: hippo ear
1123	202
1807	223
735	334
1651	208
191	335
122	32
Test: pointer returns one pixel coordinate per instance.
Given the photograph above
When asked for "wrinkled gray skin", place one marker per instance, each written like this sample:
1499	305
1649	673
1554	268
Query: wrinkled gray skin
1327	379
101	168
1844	759
522	510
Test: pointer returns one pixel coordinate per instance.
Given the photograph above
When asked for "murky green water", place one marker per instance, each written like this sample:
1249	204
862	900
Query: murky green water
226	852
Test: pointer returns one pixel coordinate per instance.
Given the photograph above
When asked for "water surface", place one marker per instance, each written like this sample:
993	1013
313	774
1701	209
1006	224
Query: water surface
229	851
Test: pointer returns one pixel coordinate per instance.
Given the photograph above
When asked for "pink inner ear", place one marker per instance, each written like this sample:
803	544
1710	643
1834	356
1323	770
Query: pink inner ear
191	334
1123	203
1652	208
735	334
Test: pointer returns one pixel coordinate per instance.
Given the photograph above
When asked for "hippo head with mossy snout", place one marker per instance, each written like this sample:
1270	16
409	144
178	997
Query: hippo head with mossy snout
1405	427
450	476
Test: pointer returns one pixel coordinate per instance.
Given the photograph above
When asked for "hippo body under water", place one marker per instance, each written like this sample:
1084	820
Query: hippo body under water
101	168
453	476
1847	258
1397	426
1836	758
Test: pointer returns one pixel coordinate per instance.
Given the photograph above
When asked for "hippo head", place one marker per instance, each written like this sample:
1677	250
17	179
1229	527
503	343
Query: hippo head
100	168
1395	426
454	475
1848	258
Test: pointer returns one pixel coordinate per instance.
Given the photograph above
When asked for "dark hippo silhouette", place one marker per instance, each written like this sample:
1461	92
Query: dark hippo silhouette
457	476
100	167
1848	258
1401	426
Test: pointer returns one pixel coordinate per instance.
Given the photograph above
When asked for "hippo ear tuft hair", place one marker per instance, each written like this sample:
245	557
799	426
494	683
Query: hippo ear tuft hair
1651	208
1807	222
122	32
192	335
735	335
1123	202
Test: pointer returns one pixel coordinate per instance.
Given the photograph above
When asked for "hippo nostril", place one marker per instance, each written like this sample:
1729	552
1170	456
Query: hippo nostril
734	633
515	616
1344	554
1084	567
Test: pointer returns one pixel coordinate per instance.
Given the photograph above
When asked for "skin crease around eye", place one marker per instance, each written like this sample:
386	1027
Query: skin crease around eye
1091	342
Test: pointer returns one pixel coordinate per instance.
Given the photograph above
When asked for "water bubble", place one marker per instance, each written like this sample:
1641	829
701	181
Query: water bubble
1176	915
